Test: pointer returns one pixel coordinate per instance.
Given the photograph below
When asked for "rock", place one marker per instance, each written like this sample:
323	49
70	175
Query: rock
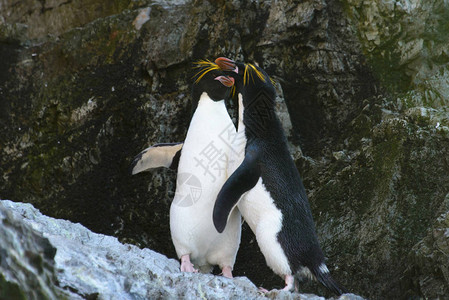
46	258
27	269
428	259
381	200
56	16
405	42
362	88
324	81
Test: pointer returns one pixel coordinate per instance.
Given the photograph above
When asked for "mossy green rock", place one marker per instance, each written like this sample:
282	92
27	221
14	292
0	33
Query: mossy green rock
378	197
365	84
407	44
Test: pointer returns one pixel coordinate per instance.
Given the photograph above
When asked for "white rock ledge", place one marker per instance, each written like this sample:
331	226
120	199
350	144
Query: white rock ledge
88	265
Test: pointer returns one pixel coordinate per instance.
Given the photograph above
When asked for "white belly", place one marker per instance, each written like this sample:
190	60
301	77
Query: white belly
202	171
237	154
265	220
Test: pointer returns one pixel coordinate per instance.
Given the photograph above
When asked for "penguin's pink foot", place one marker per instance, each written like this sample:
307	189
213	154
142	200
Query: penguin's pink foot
227	272
186	265
289	283
262	290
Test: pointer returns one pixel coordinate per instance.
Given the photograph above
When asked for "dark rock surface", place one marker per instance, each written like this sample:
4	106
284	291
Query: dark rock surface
85	85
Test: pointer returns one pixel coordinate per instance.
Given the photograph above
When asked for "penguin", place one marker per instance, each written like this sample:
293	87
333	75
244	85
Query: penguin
203	162
267	187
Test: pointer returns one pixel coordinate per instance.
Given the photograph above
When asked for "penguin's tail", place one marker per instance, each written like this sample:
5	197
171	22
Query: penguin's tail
322	274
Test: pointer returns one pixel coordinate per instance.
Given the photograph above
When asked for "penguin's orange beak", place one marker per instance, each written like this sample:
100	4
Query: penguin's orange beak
225	80
226	64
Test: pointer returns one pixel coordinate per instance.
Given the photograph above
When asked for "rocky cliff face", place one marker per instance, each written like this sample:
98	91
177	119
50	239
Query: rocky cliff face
84	86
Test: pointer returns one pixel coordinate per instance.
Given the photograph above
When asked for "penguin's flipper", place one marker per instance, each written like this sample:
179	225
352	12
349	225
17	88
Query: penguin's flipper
160	155
242	180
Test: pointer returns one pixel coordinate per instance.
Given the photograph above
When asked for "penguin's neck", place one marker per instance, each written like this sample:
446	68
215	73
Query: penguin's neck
209	106
241	127
209	119
210	114
259	120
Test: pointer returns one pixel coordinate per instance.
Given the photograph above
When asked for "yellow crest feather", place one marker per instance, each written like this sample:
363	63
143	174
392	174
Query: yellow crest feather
249	71
206	66
233	91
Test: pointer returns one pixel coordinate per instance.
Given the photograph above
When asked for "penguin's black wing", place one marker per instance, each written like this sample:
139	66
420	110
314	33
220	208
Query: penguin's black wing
159	155
242	180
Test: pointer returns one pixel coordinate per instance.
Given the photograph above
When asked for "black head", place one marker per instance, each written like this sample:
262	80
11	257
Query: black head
258	95
211	80
250	80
